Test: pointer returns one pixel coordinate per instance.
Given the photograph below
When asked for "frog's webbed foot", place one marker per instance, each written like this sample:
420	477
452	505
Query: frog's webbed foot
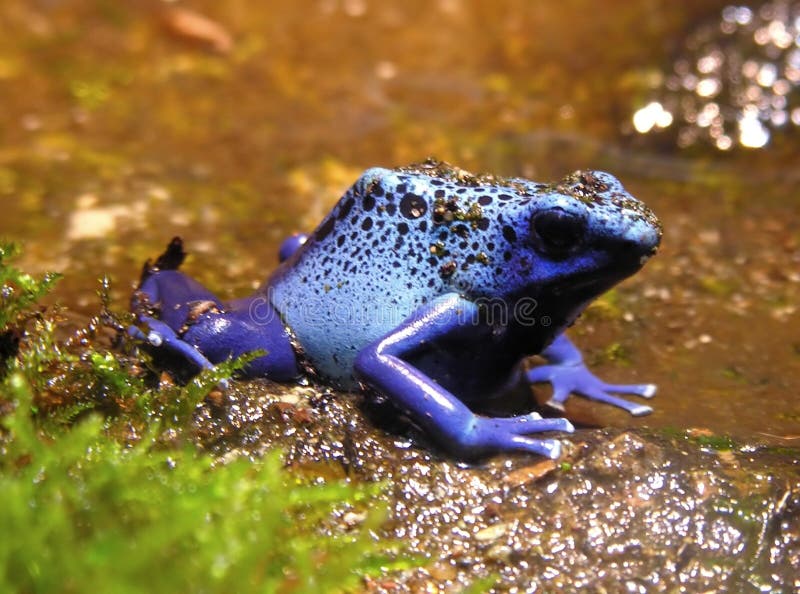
568	374
568	379
382	366
512	434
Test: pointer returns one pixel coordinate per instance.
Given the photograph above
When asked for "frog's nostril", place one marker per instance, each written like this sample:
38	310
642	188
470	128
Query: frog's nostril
636	244
557	233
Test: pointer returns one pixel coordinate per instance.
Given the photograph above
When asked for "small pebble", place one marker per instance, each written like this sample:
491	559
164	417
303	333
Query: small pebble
492	532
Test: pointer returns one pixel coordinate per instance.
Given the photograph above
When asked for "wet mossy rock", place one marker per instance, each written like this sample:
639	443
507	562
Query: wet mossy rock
651	511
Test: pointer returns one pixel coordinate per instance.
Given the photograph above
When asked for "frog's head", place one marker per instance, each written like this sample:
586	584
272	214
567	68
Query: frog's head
432	229
566	243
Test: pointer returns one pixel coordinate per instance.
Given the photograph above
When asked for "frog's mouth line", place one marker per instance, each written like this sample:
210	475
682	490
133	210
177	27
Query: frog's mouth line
592	283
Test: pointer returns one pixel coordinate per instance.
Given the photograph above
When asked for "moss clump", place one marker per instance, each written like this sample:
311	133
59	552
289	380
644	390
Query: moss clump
606	307
714	442
703	438
19	293
82	512
89	507
717	286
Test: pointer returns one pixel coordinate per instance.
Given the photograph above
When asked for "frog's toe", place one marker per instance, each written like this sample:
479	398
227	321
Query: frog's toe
643	390
484	435
155	339
550	448
557	405
600	395
542	373
531	423
161	336
641	410
152	337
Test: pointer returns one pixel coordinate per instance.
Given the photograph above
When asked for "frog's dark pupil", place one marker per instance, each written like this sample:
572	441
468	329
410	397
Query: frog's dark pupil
556	232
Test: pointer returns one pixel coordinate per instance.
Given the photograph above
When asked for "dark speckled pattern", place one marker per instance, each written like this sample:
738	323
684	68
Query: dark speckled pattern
399	238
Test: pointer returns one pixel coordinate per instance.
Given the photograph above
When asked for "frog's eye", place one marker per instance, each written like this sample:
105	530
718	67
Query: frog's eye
557	233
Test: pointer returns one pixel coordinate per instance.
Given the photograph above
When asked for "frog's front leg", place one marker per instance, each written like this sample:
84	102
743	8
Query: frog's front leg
568	373
382	367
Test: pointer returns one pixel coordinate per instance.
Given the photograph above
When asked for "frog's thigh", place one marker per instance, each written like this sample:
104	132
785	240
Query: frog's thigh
175	294
221	336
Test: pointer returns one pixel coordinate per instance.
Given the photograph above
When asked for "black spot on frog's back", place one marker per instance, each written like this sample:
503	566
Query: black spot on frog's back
413	206
345	208
325	229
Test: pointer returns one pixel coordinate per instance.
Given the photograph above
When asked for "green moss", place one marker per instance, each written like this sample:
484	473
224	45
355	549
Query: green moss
83	512
614	352
715	442
793	416
8	181
104	490
19	291
787	452
670	432
618	353
717	286
605	307
89	94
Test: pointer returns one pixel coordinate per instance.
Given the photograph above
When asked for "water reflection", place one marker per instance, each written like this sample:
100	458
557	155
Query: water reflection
736	82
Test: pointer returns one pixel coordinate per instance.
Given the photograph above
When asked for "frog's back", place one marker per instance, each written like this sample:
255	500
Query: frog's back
366	268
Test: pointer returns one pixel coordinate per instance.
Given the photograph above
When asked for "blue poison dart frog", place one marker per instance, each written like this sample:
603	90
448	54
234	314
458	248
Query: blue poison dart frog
430	286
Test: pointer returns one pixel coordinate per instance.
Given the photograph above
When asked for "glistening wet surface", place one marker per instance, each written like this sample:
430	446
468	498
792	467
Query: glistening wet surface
125	125
234	124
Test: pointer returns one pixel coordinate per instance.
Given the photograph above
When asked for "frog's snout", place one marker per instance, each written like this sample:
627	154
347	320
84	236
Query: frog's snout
641	239
648	232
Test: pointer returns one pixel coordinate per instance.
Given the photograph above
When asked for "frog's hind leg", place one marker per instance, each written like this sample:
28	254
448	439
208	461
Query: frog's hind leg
179	315
245	326
164	302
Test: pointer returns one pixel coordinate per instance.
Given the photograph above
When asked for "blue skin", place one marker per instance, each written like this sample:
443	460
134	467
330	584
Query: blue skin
430	286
